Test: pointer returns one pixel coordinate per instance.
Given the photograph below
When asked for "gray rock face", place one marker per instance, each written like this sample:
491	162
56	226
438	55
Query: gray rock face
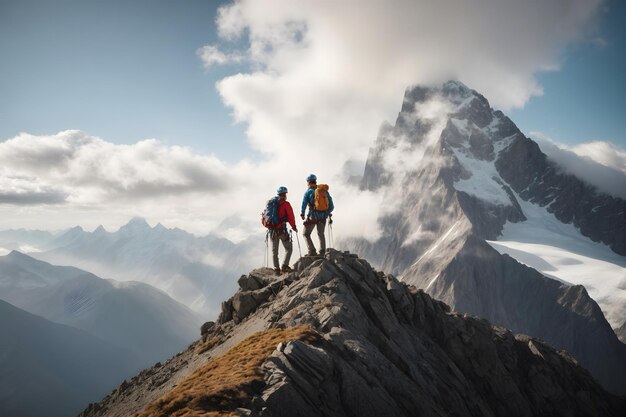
387	349
481	281
255	289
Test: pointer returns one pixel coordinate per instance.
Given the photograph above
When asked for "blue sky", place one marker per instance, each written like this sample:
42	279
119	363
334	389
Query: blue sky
309	83
127	71
120	70
585	99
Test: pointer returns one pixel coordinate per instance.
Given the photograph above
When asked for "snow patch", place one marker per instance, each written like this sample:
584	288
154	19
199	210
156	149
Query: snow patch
560	251
484	182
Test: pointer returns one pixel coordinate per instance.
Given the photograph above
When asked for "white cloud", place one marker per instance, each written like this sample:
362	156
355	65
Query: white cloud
358	213
88	169
601	164
325	74
605	153
82	172
211	55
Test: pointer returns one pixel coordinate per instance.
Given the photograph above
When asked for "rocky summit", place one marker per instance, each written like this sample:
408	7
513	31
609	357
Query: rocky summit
337	338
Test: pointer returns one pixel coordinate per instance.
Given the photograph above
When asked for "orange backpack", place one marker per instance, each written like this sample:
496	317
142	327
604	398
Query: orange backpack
321	197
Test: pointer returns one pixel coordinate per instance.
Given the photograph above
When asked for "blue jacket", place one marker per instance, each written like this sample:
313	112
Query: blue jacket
309	200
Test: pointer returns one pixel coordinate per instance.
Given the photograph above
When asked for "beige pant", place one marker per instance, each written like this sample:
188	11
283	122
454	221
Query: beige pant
308	229
286	244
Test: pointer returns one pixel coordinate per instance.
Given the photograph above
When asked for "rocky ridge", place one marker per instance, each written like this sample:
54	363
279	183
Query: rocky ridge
383	348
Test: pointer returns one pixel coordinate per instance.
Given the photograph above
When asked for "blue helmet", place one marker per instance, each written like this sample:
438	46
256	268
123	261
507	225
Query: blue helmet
281	190
311	178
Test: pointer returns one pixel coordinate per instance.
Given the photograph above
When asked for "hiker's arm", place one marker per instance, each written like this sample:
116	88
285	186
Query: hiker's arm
331	206
290	217
305	202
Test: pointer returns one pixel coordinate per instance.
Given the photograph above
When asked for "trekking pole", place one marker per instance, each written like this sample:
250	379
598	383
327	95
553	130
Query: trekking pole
298	240
327	232
266	248
332	238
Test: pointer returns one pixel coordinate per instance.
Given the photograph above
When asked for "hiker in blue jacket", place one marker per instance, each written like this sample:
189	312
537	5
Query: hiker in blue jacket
320	204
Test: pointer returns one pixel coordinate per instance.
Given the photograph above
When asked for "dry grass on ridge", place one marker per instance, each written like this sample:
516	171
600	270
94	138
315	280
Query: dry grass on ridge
228	381
208	345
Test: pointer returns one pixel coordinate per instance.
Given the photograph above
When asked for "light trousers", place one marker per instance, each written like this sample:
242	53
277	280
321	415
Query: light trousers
286	244
308	229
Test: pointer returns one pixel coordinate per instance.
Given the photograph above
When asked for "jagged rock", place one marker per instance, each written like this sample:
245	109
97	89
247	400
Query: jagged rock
256	288
255	280
227	312
205	329
386	349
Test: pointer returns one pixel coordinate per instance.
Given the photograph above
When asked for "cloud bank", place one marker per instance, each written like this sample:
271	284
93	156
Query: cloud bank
87	169
325	74
60	180
601	164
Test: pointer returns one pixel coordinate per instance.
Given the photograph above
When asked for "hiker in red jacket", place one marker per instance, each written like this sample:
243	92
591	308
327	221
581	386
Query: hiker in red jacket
279	231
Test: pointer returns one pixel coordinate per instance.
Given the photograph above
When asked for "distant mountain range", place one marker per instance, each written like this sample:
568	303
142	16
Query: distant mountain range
49	369
131	315
67	337
477	216
196	271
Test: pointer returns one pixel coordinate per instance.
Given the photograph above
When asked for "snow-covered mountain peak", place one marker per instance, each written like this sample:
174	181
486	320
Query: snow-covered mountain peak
458	131
452	133
455	98
457	86
460	173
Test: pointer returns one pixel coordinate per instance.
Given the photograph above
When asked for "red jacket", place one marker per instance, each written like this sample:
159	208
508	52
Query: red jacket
285	211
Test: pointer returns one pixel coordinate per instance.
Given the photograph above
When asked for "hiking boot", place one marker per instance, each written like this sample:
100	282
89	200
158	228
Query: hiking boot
286	268
277	271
